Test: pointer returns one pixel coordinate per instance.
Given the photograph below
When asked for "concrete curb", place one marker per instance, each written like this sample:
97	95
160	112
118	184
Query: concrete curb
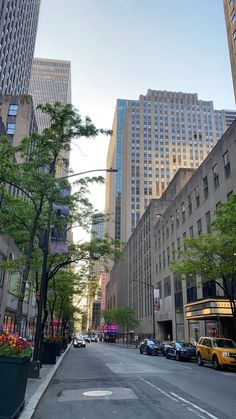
30	407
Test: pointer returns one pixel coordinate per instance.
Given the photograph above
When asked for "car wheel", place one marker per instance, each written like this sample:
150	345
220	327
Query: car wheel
177	356
141	351
215	362
199	360
167	355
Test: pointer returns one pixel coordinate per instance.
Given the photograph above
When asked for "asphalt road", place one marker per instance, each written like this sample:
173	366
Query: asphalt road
105	381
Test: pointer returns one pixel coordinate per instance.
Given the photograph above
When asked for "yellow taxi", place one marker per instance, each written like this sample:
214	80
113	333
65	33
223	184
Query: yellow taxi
221	352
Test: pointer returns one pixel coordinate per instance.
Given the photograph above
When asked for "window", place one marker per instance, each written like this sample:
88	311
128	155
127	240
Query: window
199	226
226	164
2	271
172	223
13	110
197	196
168	255
189	205
205	187
229	195
191	286
164	259
233	17
209	289
177	217
173	251
191	234
234	36
11	128
208	222
183	212
167	287
215	176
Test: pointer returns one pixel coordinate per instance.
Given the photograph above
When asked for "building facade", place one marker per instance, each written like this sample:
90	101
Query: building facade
187	309
18	29
18	121
114	183
153	137
50	82
18	116
230	19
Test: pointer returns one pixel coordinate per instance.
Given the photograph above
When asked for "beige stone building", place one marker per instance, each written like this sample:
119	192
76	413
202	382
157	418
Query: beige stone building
153	137
18	116
188	309
50	82
230	19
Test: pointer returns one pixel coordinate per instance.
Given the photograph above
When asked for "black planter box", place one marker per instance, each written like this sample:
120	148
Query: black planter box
13	380
58	348
49	353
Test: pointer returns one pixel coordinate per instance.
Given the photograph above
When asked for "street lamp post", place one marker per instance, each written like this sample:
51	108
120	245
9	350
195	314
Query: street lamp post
34	371
153	311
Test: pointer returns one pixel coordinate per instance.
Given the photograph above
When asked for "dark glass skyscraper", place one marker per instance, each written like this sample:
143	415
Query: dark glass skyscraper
18	28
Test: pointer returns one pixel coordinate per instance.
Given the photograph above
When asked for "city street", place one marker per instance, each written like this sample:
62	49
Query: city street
104	381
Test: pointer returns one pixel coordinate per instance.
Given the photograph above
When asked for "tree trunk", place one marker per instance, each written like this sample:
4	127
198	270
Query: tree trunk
26	270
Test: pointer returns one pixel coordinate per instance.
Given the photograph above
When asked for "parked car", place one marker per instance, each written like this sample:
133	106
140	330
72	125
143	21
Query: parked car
79	342
94	338
87	338
221	352
151	347
180	350
166	343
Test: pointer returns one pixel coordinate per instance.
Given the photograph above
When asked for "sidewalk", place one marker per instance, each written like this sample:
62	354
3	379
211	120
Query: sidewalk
36	387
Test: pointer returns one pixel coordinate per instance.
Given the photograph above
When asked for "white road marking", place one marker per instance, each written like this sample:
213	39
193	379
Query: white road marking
183	366
160	390
195	406
178	399
196	413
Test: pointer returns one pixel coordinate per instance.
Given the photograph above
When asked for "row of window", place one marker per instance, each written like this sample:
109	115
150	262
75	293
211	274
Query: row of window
216	183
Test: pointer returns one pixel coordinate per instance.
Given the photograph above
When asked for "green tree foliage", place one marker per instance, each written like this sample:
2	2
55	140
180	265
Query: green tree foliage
212	257
28	186
123	316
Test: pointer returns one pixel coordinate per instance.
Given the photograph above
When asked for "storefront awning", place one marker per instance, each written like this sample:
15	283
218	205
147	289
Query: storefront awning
208	308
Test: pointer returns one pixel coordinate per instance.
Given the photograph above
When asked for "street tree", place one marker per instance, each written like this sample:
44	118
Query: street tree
124	317
28	186
212	257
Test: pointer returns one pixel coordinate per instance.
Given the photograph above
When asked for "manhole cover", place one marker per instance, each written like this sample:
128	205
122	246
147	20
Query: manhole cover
97	393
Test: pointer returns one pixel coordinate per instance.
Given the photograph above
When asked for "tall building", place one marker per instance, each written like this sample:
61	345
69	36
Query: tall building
17	120
153	137
18	116
187	308
50	83
18	28
230	19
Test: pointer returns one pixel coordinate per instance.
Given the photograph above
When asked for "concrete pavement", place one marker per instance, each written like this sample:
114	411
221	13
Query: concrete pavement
36	387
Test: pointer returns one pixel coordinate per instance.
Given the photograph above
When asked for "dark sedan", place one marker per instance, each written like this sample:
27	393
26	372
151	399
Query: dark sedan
151	347
180	350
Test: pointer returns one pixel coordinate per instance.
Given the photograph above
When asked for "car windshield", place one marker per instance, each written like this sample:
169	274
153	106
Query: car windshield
154	342
224	343
185	344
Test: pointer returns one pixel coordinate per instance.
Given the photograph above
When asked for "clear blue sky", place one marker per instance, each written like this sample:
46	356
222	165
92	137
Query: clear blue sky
121	48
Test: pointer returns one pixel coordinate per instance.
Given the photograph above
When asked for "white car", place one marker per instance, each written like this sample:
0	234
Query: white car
79	342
